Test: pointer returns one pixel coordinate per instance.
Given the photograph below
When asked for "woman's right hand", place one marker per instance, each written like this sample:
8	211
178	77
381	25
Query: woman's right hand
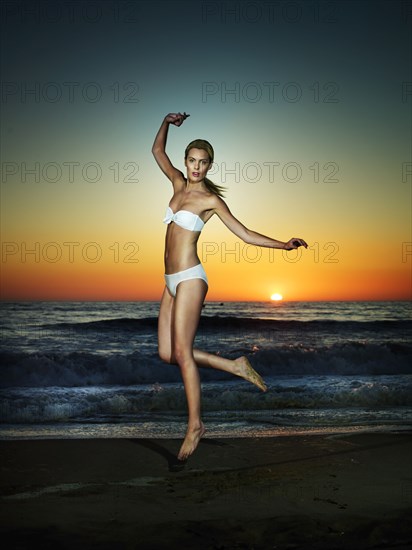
176	118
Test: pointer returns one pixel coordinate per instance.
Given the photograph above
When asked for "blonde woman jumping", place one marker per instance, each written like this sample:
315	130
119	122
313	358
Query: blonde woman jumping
195	200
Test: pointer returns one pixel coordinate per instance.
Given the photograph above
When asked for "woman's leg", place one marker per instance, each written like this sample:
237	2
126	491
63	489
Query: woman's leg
177	325
165	327
239	367
186	314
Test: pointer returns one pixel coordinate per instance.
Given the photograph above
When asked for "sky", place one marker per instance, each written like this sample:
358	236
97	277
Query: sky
308	105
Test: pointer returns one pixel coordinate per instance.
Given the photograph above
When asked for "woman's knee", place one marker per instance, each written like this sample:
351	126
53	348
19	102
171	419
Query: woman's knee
180	355
183	356
166	355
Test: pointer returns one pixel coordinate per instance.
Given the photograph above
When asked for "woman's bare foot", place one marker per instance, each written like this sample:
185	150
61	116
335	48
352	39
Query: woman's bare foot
191	441
247	372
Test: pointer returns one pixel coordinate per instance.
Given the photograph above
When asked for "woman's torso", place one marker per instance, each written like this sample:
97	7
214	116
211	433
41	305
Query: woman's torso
180	243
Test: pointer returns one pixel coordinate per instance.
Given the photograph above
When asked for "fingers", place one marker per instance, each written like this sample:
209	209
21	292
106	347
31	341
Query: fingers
182	117
299	242
295	243
178	118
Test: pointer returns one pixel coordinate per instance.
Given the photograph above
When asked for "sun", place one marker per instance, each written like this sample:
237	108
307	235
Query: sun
276	297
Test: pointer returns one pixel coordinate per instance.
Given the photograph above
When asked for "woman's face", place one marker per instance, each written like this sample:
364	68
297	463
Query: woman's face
197	164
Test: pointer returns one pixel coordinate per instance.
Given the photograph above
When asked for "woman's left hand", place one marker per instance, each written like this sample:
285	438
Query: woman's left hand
295	243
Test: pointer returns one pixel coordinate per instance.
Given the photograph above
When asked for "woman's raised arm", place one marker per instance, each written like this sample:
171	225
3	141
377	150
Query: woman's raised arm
159	145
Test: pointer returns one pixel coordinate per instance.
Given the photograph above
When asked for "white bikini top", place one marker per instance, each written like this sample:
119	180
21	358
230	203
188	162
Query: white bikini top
185	219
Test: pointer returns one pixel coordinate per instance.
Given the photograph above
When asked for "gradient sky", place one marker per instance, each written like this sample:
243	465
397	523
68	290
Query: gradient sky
307	104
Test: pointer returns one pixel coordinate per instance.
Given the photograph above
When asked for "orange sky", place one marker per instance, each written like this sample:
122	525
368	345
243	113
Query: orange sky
237	274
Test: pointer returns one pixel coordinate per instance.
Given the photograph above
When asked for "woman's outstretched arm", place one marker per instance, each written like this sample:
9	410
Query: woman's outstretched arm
249	236
159	145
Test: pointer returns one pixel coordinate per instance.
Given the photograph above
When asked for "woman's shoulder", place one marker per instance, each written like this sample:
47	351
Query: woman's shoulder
178	181
206	198
214	201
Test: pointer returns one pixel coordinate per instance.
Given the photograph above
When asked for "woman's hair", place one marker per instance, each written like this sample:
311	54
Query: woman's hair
205	145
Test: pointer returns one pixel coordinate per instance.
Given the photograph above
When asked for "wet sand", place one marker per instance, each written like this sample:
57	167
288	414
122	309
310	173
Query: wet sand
308	492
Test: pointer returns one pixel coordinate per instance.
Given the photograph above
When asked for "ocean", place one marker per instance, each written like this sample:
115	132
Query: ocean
91	370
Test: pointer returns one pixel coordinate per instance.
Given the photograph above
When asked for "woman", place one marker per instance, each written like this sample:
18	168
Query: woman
195	200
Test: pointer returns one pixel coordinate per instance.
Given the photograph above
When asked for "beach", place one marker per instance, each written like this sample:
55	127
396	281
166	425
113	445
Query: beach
92	420
317	491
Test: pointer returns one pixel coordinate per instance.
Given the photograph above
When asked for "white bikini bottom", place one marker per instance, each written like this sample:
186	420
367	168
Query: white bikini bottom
195	272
